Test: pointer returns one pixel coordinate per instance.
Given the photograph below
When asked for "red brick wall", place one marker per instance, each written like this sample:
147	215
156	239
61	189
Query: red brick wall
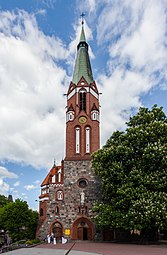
71	125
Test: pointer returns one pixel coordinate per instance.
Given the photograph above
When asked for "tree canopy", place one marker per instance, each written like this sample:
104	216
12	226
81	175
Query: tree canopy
20	221
132	167
3	200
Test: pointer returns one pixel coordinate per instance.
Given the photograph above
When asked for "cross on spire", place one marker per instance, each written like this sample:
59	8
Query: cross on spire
82	17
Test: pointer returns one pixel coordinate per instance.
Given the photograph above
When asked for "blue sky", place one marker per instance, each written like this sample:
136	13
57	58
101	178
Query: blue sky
38	40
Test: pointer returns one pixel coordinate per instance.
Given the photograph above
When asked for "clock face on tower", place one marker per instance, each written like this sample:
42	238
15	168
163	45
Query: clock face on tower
82	119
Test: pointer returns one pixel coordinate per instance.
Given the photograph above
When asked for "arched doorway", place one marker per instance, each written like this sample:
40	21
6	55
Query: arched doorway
57	230
82	229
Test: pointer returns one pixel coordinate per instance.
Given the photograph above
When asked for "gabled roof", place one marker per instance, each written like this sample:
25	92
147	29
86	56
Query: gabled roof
44	195
94	108
82	63
71	87
71	108
51	173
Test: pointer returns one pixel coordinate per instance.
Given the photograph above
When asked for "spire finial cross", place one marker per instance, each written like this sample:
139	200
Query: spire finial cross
82	17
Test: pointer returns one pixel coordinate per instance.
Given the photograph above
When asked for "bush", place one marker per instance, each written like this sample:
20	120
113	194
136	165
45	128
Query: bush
31	242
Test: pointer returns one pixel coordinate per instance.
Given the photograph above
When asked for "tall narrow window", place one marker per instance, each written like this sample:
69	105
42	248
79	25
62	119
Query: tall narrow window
77	140
59	177
57	210
82	101
53	178
88	140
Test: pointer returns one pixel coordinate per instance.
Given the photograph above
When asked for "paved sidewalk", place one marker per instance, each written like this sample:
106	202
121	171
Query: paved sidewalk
46	251
91	248
35	251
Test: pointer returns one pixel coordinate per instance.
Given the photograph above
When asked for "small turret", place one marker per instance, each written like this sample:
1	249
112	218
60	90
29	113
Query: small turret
10	198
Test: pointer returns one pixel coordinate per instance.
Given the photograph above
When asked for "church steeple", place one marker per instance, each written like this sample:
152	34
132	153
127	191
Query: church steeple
82	115
82	63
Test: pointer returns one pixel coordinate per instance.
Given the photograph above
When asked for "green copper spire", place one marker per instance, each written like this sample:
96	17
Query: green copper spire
82	63
82	37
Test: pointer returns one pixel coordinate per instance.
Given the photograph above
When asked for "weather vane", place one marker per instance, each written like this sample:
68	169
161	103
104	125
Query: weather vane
82	17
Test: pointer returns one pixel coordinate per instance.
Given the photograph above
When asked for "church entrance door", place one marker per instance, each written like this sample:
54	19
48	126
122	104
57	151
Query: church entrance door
57	231
82	233
83	229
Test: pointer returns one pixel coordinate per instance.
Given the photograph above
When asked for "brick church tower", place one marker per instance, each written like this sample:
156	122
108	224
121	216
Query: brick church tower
69	191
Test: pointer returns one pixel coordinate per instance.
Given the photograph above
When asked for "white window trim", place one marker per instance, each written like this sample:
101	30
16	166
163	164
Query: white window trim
59	195
95	115
69	116
53	178
59	177
77	131
87	139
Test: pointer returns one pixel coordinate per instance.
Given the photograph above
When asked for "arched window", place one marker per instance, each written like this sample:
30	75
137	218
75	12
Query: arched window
41	212
87	139
77	135
95	115
82	100
59	195
69	116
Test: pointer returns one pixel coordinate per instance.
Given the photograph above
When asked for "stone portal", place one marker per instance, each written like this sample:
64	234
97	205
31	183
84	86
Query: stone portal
82	229
57	231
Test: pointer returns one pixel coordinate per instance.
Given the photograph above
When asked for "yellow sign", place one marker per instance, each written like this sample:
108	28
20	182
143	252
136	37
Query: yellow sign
67	231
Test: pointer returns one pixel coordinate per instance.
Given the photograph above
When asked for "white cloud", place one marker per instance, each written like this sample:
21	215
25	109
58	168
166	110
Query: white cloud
49	3
5	173
118	97
30	187
134	35
4	186
88	6
144	47
16	184
37	181
32	85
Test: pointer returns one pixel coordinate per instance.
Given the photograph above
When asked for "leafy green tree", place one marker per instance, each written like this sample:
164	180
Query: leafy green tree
19	220
132	167
3	201
32	226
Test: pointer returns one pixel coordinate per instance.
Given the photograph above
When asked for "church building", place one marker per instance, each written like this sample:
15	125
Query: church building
69	191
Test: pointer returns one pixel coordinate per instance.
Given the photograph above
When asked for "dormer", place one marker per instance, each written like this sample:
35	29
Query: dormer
70	114
94	113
